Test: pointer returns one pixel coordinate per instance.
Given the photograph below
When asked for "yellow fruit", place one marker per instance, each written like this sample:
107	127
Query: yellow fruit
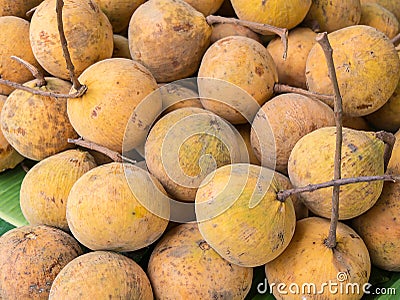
168	37
30	259
332	15
117	207
184	266
367	74
105	275
311	270
177	95
119	12
121	47
206	7
222	30
291	71
116	87
281	122
279	13
244	132
9	158
236	76
312	161
38	126
394	162
375	15
87	30
240	217
46	203
185	145
379	227
14	34
17	8
391	5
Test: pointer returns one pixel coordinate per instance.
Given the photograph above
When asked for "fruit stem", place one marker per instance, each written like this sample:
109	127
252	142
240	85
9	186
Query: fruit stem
40	81
322	40
283	88
396	39
283	195
70	66
389	139
40	92
260	28
115	156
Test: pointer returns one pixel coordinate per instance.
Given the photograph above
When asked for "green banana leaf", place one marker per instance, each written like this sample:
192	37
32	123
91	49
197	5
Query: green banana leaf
10	184
4	227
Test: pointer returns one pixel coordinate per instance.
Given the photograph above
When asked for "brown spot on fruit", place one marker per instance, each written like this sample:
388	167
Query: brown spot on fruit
259	70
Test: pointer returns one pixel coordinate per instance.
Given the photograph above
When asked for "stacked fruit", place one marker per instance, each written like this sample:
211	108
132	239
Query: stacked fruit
206	140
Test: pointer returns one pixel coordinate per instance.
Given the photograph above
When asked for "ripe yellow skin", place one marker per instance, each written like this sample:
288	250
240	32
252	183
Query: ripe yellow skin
168	37
116	87
240	217
332	15
394	162
104	275
108	208
45	188
184	266
391	5
222	30
367	74
14	34
30	259
239	76
119	12
244	132
307	260
292	70
375	15
379	227
9	158
38	126
279	13
206	7
185	145
87	30
17	8
121	47
312	159
175	96
290	117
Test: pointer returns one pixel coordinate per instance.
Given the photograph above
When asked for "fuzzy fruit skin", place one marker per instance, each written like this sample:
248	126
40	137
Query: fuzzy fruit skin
106	208
222	30
312	161
239	76
119	12
394	162
334	14
206	7
360	70
38	126
9	158
308	260
105	275
121	47
169	37
379	227
279	13
116	87
17	8
290	117
87	30
184	266
204	141
292	70
18	45
30	259
375	15
240	217
391	5
45	188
